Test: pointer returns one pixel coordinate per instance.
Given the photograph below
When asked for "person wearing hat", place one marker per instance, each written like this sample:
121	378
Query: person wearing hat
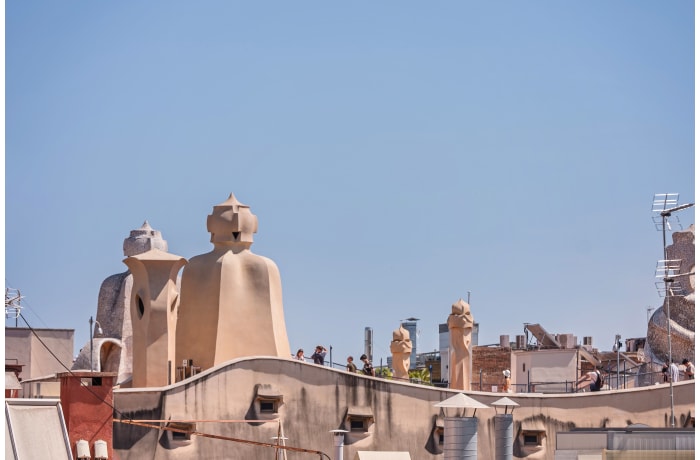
506	381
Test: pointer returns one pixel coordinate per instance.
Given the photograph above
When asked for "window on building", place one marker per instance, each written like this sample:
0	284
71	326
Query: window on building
359	424
533	438
268	399
181	431
268	406
359	419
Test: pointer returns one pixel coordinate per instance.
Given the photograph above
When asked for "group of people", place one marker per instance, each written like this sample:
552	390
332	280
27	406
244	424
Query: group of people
367	368
671	370
319	357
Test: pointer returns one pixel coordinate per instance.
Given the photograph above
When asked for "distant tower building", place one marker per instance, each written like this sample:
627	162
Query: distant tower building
444	340
369	342
411	325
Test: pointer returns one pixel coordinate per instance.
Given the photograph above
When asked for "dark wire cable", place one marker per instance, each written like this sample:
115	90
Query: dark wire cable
99	398
124	419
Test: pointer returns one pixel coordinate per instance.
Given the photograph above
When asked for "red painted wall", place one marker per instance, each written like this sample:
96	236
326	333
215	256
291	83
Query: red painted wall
87	399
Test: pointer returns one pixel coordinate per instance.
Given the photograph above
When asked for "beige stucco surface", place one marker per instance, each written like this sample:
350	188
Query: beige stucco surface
317	399
24	347
231	298
154	316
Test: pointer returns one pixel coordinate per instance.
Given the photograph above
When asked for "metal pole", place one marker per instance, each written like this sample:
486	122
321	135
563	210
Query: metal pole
91	351
617	346
330	352
668	321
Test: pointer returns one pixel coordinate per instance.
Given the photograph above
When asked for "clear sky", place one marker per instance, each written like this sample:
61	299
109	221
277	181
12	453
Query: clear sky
397	155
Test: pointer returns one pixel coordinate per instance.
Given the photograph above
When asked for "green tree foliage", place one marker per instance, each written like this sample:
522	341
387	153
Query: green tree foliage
384	372
420	376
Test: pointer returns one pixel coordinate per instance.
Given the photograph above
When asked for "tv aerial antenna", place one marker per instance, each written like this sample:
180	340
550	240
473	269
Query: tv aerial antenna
13	307
665	204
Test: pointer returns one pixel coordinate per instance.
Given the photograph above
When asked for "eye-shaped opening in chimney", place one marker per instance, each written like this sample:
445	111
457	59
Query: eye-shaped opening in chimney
141	308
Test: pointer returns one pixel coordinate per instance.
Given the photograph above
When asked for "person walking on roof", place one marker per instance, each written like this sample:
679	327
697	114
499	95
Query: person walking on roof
350	366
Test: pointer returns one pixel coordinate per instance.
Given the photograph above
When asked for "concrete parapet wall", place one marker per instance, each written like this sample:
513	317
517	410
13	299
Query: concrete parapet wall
398	416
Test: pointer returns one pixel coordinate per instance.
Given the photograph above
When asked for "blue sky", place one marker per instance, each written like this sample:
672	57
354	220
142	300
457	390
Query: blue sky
397	155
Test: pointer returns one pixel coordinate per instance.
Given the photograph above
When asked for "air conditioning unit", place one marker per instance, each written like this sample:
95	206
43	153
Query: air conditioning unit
567	340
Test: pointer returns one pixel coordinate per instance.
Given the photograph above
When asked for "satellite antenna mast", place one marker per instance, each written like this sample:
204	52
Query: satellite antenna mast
13	309
665	204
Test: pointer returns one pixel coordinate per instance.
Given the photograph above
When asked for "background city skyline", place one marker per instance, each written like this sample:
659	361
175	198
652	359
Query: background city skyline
397	155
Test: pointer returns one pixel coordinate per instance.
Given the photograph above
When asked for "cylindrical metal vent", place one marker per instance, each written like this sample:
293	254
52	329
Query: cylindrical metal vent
460	438
338	442
520	342
505	341
504	437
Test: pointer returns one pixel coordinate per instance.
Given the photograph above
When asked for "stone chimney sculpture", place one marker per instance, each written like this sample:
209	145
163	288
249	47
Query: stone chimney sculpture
460	324
154	299
401	347
113	347
682	307
230	298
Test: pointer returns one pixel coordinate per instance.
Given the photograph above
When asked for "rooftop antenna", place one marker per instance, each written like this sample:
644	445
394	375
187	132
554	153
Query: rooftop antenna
665	204
13	307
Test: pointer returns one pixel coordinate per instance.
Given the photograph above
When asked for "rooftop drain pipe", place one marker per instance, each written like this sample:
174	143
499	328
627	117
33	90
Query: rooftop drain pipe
461	431
338	442
504	429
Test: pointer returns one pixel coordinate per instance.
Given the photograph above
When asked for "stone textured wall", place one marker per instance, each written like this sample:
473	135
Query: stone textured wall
682	309
114	317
